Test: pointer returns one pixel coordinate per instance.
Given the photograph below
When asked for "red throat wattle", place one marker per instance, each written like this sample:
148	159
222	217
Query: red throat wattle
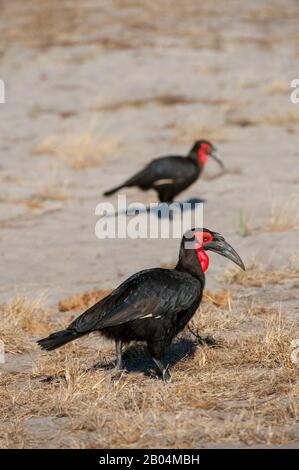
202	154
203	259
200	251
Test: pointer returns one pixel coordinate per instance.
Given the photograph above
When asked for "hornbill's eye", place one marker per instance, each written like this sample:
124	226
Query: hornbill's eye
207	237
203	237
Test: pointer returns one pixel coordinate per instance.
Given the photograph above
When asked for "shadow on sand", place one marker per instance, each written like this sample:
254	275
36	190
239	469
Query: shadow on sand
161	210
137	359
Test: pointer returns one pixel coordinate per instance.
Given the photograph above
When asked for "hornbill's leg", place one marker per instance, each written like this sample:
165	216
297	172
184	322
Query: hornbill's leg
119	360
164	371
165	199
165	194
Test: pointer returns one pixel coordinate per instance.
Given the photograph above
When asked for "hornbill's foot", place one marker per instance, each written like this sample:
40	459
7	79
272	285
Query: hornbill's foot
119	367
164	370
117	371
166	375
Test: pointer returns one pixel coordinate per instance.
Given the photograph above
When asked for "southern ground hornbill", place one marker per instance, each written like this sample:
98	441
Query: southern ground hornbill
170	175
153	305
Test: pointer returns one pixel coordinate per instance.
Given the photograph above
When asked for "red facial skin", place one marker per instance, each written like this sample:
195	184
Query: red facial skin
202	238
203	151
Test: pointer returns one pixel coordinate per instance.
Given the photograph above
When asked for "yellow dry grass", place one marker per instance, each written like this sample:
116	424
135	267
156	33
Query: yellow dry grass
284	216
222	299
161	100
241	390
192	132
265	14
277	87
79	149
255	276
82	301
276	118
38	200
21	318
85	24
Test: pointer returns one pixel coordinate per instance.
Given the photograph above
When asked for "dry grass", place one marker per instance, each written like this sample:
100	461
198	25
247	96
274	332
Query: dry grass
38	200
20	319
80	149
31	203
248	85
254	276
86	24
82	301
245	227
267	14
266	42
138	25
12	435
221	299
161	100
276	119
277	87
284	216
241	390
191	132
255	309
244	389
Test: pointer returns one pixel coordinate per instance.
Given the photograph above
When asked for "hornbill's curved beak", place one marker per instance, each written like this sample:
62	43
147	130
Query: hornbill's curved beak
220	246
215	155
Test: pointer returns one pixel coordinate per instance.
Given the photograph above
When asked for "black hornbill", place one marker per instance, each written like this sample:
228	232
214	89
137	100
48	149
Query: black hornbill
170	175
153	305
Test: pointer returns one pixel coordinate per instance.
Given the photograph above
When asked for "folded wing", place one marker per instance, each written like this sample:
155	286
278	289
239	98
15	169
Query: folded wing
147	294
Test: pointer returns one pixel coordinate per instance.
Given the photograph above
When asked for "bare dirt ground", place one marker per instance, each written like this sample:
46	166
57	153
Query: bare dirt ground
94	90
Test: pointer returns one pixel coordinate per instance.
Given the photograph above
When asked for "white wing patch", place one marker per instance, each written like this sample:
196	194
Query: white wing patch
163	181
149	316
146	316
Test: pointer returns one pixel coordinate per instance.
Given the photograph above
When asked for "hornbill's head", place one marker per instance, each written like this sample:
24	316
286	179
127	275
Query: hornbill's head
202	239
203	149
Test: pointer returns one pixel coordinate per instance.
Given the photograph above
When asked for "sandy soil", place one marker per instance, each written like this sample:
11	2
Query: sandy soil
94	90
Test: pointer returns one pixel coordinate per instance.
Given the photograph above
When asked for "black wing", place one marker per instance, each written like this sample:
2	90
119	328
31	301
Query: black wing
149	293
165	170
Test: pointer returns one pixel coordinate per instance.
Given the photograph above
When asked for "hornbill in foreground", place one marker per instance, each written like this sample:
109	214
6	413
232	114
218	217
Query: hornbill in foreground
153	305
170	175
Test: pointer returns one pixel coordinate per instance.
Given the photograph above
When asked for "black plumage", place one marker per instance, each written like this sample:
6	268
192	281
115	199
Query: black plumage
153	305
171	175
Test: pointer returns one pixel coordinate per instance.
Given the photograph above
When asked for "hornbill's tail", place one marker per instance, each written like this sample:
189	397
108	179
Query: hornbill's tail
55	340
112	191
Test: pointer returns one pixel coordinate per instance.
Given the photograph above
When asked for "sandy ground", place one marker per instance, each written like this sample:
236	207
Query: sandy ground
94	90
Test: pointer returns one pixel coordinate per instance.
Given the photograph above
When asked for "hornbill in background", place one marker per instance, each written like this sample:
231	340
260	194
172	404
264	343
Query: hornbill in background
153	305
170	175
